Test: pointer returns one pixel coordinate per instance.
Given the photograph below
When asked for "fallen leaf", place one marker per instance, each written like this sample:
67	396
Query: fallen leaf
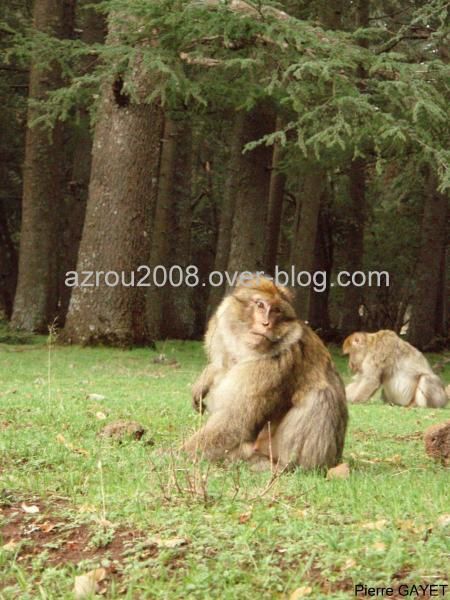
10	546
245	517
62	440
396	459
33	509
86	585
378	525
105	523
171	543
443	521
342	471
96	397
100	416
301	592
410	525
379	546
46	527
87	508
349	564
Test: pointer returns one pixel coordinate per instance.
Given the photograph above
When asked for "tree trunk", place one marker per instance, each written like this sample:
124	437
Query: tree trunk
172	234
36	296
319	317
248	232
8	266
228	209
440	325
276	195
427	290
330	13
353	248
115	236
93	31
305	233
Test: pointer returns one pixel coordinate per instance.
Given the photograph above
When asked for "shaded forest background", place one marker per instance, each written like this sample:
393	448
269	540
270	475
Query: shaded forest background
230	136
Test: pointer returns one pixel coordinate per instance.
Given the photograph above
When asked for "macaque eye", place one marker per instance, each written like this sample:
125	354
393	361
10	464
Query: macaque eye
276	310
260	304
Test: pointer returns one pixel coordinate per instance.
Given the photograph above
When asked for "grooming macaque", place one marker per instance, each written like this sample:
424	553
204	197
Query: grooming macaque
270	387
384	359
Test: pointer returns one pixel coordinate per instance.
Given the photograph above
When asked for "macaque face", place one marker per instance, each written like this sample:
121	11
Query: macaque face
267	321
355	346
264	314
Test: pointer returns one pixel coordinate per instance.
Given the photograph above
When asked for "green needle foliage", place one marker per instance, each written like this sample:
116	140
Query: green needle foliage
380	91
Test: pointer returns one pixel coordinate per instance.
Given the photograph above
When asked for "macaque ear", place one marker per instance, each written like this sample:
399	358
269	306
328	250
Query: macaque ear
354	341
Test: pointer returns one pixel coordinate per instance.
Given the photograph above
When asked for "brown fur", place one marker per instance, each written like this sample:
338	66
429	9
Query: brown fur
384	359
285	377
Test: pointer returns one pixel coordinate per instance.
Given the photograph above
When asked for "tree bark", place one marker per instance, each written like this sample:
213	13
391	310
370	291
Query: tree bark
169	308
428	281
248	232
318	316
353	248
228	209
115	236
276	196
331	13
8	266
35	303
93	29
305	233
441	327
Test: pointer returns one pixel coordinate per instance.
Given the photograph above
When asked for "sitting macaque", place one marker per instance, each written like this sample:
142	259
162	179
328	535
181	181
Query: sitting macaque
384	359
267	367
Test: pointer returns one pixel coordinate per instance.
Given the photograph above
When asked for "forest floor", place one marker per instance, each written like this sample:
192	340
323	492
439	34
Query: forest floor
153	525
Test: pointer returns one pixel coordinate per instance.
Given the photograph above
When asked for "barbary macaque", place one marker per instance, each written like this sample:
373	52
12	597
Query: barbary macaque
270	387
384	359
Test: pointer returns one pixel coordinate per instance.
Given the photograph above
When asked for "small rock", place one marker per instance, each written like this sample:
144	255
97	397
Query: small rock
122	430
437	442
342	471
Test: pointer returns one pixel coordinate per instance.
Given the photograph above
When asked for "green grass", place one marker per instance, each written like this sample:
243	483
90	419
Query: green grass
239	538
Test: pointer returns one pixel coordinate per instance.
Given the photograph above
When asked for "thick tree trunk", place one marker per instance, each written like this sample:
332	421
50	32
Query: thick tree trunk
248	232
36	298
115	236
305	233
276	195
428	281
93	31
169	308
354	246
227	209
